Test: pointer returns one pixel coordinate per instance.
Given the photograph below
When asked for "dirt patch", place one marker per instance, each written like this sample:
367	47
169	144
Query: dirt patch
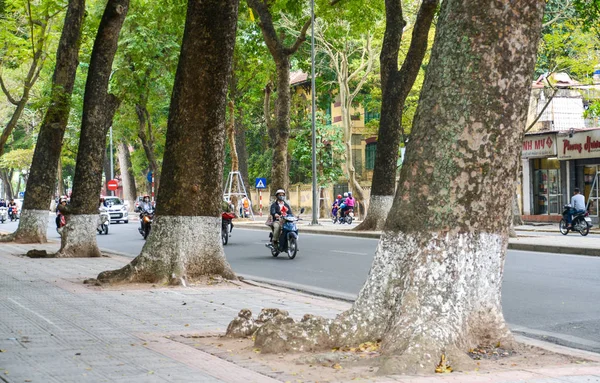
358	363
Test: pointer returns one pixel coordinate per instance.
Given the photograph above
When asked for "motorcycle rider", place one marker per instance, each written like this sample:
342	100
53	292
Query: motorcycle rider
2	202
279	208
145	207
343	205
577	206
63	202
349	203
11	204
336	205
226	207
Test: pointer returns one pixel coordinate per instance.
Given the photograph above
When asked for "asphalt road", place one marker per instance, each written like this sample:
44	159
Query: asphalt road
549	296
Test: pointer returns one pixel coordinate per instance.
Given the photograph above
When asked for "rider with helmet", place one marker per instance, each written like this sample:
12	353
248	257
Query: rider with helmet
336	205
279	208
350	201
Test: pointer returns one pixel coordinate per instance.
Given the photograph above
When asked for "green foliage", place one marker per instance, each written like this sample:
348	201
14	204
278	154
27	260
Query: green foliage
17	159
329	152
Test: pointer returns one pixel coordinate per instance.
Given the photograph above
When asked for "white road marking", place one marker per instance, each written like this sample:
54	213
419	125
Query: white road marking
347	252
33	312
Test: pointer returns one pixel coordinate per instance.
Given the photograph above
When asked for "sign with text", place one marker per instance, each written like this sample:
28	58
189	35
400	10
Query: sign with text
539	146
581	145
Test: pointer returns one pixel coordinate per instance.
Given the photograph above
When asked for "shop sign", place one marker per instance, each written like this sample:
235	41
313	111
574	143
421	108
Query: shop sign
581	145
539	146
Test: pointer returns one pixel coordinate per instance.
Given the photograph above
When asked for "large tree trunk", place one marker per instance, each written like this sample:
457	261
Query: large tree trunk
395	87
60	178
146	136
280	130
99	107
185	241
127	178
435	284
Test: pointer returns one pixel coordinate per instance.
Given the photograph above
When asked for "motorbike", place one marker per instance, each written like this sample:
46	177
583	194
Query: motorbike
60	223
3	214
581	222
347	217
103	222
288	239
13	213
146	218
226	226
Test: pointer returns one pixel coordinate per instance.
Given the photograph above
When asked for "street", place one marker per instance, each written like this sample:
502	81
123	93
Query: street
550	296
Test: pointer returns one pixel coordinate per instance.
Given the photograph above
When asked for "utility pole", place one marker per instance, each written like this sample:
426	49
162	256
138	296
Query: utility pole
112	167
315	204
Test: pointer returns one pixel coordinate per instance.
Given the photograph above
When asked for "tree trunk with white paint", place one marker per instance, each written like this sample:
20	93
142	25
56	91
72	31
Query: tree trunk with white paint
185	242
33	223
395	87
127	178
435	283
99	107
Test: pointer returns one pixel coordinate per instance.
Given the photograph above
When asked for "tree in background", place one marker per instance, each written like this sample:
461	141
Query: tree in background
281	53
42	175
185	242
99	107
395	88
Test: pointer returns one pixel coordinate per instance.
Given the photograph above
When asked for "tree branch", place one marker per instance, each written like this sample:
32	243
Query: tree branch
7	93
299	40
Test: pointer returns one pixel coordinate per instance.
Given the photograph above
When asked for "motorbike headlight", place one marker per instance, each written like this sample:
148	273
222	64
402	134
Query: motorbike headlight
146	219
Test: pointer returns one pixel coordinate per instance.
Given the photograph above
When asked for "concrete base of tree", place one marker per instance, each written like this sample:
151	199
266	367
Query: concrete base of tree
79	237
379	207
427	294
179	250
33	225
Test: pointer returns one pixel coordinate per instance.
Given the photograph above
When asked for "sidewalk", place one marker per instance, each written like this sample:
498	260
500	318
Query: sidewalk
53	328
541	238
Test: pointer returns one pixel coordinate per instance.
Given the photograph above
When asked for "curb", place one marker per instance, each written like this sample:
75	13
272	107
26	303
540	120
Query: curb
555	249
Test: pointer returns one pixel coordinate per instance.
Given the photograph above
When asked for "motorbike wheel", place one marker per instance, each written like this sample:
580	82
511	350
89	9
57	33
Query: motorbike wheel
292	247
562	226
349	220
583	228
225	234
147	232
104	229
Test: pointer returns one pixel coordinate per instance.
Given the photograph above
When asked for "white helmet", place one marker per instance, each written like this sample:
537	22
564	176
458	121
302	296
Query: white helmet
280	191
345	194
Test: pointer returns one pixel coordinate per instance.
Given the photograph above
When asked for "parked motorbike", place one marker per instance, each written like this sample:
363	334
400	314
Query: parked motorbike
3	214
13	213
226	226
581	222
348	217
146	218
103	222
288	239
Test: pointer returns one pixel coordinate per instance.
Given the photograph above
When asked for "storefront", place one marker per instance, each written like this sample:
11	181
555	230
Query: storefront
553	164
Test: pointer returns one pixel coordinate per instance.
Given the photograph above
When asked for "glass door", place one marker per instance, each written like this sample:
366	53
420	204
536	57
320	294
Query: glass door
554	194
541	191
591	188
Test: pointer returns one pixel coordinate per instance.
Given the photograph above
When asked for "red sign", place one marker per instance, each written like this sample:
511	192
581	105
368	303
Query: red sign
112	185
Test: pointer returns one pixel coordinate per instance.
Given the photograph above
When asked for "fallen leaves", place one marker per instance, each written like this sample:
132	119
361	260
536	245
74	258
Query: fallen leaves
444	366
337	366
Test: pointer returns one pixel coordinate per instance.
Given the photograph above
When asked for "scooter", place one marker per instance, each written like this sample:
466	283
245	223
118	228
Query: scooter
3	214
13	213
226	226
346	217
288	239
580	223
104	222
146	218
60	223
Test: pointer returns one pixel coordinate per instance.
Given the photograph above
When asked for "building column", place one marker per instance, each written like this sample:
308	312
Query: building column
526	187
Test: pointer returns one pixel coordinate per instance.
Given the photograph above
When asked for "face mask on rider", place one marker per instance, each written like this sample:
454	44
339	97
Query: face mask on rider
281	197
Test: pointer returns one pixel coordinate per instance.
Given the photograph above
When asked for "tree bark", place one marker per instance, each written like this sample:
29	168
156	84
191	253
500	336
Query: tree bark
127	178
435	284
279	132
6	179
395	87
240	144
59	176
99	107
146	136
185	242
